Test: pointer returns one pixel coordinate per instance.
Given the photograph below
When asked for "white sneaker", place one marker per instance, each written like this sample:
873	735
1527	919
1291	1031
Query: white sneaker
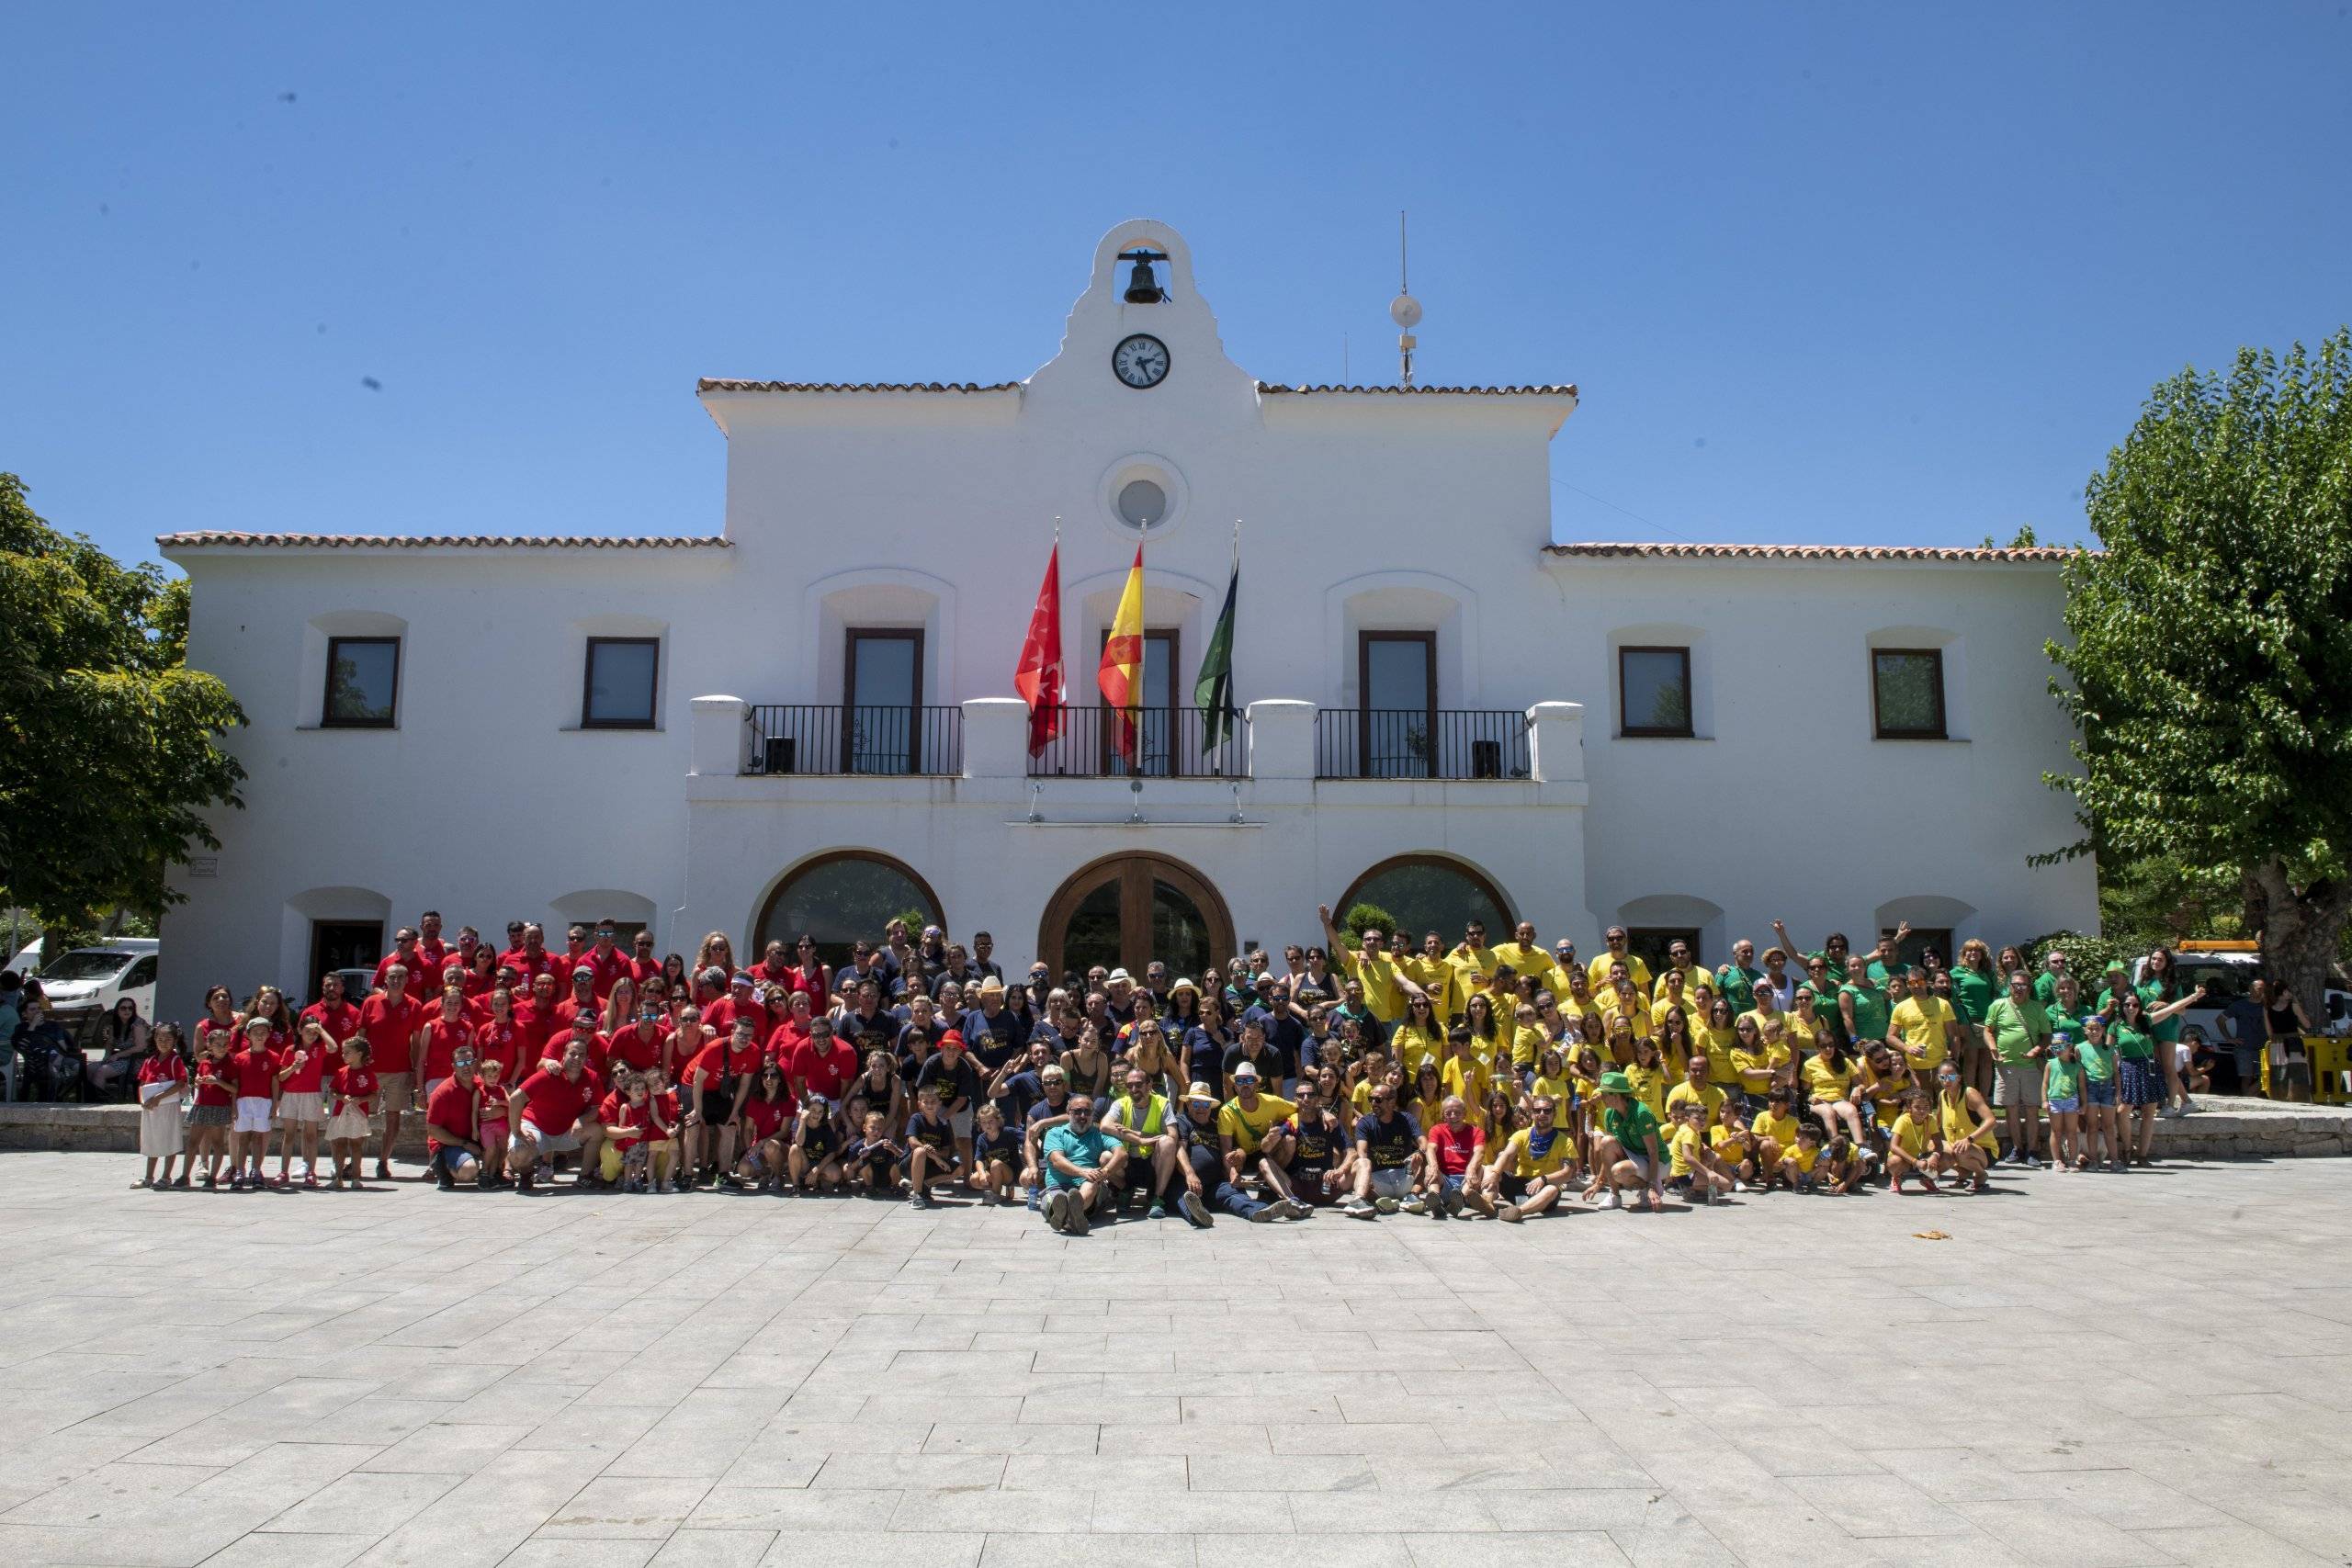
1615	1199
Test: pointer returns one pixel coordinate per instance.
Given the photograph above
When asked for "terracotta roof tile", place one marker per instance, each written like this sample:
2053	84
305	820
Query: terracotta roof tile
2029	555
437	541
714	384
1566	391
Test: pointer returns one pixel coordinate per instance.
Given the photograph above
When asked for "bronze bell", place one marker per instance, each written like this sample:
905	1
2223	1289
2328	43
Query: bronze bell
1143	288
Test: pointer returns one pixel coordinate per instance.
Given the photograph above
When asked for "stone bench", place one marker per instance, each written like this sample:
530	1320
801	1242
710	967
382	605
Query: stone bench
114	1129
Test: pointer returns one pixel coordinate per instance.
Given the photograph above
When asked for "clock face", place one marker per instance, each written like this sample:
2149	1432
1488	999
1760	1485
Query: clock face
1140	361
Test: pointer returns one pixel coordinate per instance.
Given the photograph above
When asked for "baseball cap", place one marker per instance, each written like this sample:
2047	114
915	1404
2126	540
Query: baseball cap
584	969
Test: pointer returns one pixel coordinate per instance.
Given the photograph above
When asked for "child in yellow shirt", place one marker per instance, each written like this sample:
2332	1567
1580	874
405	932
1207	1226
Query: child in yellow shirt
1913	1143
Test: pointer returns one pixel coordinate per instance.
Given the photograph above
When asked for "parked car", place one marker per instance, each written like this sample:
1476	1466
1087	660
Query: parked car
86	982
28	959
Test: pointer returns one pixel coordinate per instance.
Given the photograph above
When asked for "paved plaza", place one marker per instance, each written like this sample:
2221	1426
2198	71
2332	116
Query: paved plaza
2090	1370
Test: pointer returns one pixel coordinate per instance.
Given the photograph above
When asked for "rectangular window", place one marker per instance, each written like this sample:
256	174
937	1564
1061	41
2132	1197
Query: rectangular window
882	695
1907	693
343	944
363	682
1396	686
1155	723
617	688
1654	691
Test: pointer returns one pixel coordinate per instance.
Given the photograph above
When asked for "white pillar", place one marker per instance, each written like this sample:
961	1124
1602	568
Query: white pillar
722	736
996	737
1555	741
1282	739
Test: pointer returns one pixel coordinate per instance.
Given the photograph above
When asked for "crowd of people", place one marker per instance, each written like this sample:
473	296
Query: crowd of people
1463	1079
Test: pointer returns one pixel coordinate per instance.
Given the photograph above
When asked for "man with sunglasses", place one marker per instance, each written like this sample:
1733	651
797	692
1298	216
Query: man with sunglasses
1619	951
1386	988
452	1124
644	964
1083	1166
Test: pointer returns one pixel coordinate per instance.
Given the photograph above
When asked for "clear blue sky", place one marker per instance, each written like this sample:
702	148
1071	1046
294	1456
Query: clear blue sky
1857	272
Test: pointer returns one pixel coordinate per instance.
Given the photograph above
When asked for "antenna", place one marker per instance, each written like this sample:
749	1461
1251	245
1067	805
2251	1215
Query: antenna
1405	311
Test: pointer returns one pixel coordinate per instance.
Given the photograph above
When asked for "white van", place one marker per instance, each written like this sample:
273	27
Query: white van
2228	971
85	984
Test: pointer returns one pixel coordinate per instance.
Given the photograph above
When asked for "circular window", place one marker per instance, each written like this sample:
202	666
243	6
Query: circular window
1142	503
1141	493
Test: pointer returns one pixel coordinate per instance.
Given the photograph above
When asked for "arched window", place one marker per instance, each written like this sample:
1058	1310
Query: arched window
842	896
1428	893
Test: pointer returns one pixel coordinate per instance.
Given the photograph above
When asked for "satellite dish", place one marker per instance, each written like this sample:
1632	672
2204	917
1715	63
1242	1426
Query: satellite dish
1406	312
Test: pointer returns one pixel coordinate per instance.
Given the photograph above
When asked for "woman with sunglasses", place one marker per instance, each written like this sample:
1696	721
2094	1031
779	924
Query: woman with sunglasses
760	1125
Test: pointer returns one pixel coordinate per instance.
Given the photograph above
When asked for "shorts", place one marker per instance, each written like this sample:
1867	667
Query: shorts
2295	1074
1514	1188
1641	1164
2019	1085
448	1157
2098	1091
301	1110
392	1092
2142	1083
563	1143
253	1114
2069	1106
717	1107
493	1133
1396	1182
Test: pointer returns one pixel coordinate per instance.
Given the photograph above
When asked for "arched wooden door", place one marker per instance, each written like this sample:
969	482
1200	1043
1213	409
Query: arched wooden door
1124	910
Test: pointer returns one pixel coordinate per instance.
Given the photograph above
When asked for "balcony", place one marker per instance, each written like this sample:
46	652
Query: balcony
807	738
981	750
1417	743
1172	743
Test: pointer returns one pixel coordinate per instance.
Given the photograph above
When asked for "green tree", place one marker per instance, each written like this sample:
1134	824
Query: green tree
108	741
2211	661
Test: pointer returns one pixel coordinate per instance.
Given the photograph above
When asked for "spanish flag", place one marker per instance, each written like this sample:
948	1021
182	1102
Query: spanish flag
1121	673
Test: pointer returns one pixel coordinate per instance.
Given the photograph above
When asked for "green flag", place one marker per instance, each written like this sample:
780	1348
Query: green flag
1213	693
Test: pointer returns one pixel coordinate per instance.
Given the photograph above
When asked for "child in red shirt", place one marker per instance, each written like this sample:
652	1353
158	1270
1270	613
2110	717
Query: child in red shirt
489	1072
162	1076
302	1107
354	1104
216	1102
254	1068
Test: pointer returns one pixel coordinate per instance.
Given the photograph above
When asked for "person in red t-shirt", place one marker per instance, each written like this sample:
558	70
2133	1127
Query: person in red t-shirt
355	1091
453	1125
529	956
302	1103
404	955
716	1081
389	1020
823	1066
162	1076
644	964
336	1012
808	976
639	1045
535	1022
740	999
584	1034
554	1113
438	1037
216	1100
255	1071
764	1123
1454	1146
582	1000
499	1038
787	1023
607	960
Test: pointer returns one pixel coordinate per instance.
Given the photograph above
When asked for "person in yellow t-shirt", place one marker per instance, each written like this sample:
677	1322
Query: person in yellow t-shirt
1716	1040
1597	972
1553	1082
1463	1074
1911	1144
1776	1135
1697	1170
1528	956
1828	1078
1426	1101
1527	1038
1735	1143
1430	971
1534	1166
1472	954
1249	1126
1928	1024
1649	1078
1420	1036
1673	996
1385	985
1697	1088
1758	1067
1679	961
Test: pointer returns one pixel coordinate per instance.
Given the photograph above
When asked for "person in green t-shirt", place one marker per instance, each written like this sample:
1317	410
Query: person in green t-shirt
1630	1151
2096	1055
2062	1088
1735	981
2017	1029
2160	985
2139	1081
1832	953
2053	969
1975	983
1864	1008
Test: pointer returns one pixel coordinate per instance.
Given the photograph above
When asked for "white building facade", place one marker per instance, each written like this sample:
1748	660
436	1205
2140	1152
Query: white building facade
806	720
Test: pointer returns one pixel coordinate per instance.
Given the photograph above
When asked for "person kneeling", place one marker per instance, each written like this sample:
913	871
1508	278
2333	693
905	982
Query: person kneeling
1534	1166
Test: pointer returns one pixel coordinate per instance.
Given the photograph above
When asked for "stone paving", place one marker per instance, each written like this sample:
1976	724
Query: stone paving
2091	1370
